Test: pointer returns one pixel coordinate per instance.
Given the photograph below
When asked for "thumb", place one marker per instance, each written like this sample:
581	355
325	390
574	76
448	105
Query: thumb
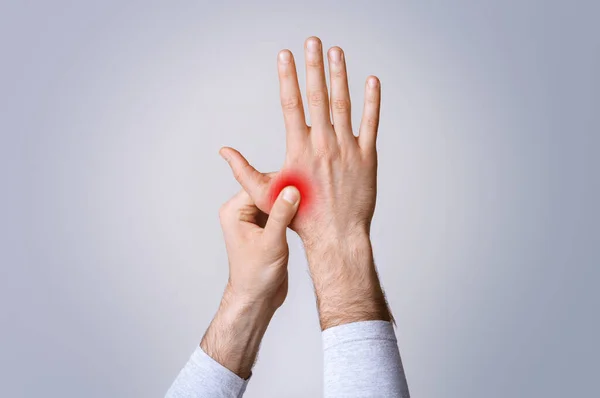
253	181
283	211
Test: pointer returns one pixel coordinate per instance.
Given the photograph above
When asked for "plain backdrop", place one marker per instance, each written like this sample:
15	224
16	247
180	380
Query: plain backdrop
486	229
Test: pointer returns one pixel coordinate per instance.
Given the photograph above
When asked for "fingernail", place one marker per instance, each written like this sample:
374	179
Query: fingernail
291	195
372	82
336	55
313	45
285	57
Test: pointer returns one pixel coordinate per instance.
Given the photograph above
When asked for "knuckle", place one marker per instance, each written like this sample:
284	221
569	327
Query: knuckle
237	174
247	169
278	214
285	73
323	152
224	211
316	62
246	213
241	172
278	217
338	74
372	99
317	98
291	103
341	105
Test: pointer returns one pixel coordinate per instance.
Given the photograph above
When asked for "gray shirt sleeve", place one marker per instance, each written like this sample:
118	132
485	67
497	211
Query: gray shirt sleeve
203	377
361	360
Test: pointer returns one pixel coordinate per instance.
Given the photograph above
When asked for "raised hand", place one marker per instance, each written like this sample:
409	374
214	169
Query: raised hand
334	170
336	174
326	192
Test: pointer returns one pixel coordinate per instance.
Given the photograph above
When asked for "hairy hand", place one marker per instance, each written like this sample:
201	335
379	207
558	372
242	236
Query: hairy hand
336	173
258	278
257	247
334	170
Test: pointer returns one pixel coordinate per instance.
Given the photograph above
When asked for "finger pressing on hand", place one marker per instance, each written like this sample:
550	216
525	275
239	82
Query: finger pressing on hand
283	211
253	181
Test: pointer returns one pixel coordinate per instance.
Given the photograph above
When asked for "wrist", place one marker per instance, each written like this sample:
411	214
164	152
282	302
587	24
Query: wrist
254	309
319	244
235	333
334	251
346	281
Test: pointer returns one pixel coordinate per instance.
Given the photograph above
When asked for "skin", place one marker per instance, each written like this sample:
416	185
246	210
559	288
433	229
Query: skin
341	169
258	278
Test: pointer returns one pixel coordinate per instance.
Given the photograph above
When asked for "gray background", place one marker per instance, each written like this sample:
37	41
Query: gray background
486	230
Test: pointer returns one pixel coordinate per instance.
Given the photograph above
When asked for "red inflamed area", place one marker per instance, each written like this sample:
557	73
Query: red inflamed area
298	180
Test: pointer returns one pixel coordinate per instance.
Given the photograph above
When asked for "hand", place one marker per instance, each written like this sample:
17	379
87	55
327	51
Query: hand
335	171
258	278
257	247
336	174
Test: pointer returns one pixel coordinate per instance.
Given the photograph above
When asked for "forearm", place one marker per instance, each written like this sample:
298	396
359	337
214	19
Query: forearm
346	282
221	365
361	356
233	337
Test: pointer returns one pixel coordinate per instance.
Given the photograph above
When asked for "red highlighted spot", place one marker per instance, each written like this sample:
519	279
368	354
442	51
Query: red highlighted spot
297	179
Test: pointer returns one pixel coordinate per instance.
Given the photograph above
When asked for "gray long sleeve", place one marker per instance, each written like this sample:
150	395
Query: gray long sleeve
361	359
203	377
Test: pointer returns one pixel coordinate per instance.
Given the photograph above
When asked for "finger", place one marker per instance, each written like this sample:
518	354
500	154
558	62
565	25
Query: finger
340	94
230	210
283	211
370	119
291	98
253	182
316	87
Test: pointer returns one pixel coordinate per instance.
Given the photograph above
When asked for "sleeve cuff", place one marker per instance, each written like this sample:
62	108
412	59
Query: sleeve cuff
358	331
202	377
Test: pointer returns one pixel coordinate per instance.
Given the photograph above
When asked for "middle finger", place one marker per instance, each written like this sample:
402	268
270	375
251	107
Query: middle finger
316	86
